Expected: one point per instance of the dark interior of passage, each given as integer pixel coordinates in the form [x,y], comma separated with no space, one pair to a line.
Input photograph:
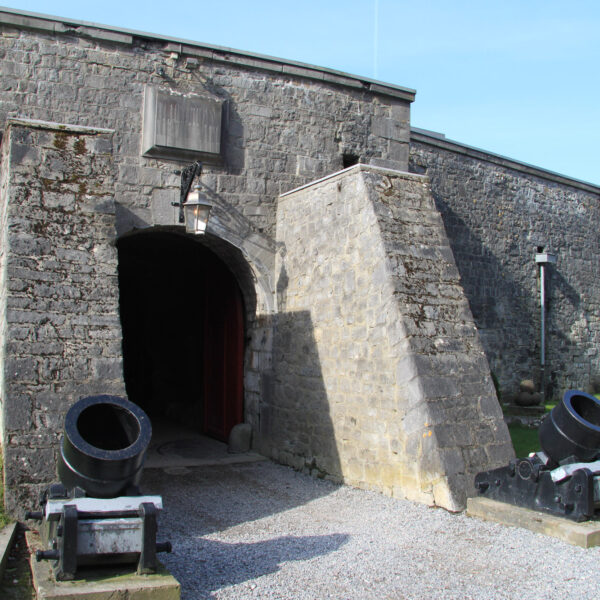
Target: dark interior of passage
[183,332]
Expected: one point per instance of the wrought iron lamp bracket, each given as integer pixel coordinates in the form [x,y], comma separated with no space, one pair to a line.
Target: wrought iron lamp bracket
[187,178]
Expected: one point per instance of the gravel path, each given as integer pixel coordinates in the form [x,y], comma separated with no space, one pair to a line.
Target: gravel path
[260,530]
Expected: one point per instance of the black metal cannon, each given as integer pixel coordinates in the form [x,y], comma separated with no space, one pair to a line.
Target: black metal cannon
[563,478]
[96,515]
[104,446]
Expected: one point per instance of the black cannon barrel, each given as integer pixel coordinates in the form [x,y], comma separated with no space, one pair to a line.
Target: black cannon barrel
[104,445]
[572,428]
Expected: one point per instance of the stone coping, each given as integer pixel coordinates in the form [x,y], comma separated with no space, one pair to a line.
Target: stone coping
[7,536]
[37,124]
[586,534]
[439,140]
[60,25]
[358,167]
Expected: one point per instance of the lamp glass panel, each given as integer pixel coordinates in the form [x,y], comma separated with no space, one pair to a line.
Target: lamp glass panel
[196,217]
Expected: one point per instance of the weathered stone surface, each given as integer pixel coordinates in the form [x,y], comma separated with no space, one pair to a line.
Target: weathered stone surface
[497,213]
[57,331]
[375,379]
[279,129]
[403,373]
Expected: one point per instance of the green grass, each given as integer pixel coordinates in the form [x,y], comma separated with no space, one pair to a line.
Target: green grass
[4,518]
[524,439]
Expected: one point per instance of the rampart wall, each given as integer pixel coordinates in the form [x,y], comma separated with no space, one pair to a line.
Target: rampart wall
[497,213]
[59,296]
[76,175]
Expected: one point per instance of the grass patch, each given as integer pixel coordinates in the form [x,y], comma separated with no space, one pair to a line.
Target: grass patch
[17,583]
[524,439]
[4,518]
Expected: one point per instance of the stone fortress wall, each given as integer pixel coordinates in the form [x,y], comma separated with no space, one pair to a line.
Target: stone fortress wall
[497,212]
[59,299]
[281,126]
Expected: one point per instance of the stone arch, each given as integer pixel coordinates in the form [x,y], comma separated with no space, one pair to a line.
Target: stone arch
[256,250]
[244,258]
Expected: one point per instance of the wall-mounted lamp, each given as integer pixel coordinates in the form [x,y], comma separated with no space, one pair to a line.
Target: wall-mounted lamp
[196,211]
[194,206]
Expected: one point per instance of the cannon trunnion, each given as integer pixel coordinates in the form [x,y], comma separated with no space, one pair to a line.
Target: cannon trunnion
[563,478]
[96,515]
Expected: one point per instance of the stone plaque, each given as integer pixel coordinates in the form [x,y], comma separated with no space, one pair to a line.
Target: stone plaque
[178,126]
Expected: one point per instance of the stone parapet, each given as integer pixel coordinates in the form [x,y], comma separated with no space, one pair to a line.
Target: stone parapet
[84,29]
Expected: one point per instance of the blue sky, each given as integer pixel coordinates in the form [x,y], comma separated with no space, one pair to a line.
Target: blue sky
[515,77]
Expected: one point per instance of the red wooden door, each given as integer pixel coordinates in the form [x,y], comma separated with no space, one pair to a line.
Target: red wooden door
[223,350]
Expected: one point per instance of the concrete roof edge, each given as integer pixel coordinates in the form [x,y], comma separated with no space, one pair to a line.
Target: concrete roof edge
[438,139]
[44,22]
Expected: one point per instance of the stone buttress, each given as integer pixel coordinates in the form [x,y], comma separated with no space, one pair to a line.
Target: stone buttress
[379,377]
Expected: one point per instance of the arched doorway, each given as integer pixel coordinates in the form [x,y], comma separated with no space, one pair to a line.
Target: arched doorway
[183,332]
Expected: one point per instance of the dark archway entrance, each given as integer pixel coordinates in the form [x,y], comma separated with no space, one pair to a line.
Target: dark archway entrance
[183,332]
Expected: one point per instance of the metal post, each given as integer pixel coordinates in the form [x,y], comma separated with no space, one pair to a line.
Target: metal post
[543,332]
[147,562]
[543,259]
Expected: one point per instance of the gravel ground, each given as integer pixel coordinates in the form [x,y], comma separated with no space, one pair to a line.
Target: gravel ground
[261,530]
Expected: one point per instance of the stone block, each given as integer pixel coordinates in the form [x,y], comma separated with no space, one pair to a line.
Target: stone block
[107,584]
[25,155]
[59,200]
[391,129]
[107,368]
[17,414]
[585,535]
[240,439]
[34,465]
[21,369]
[184,127]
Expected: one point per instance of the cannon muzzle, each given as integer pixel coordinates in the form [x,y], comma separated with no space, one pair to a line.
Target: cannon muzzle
[572,429]
[104,446]
[564,478]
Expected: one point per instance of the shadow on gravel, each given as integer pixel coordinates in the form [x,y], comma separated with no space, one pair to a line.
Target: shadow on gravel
[222,564]
[241,505]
